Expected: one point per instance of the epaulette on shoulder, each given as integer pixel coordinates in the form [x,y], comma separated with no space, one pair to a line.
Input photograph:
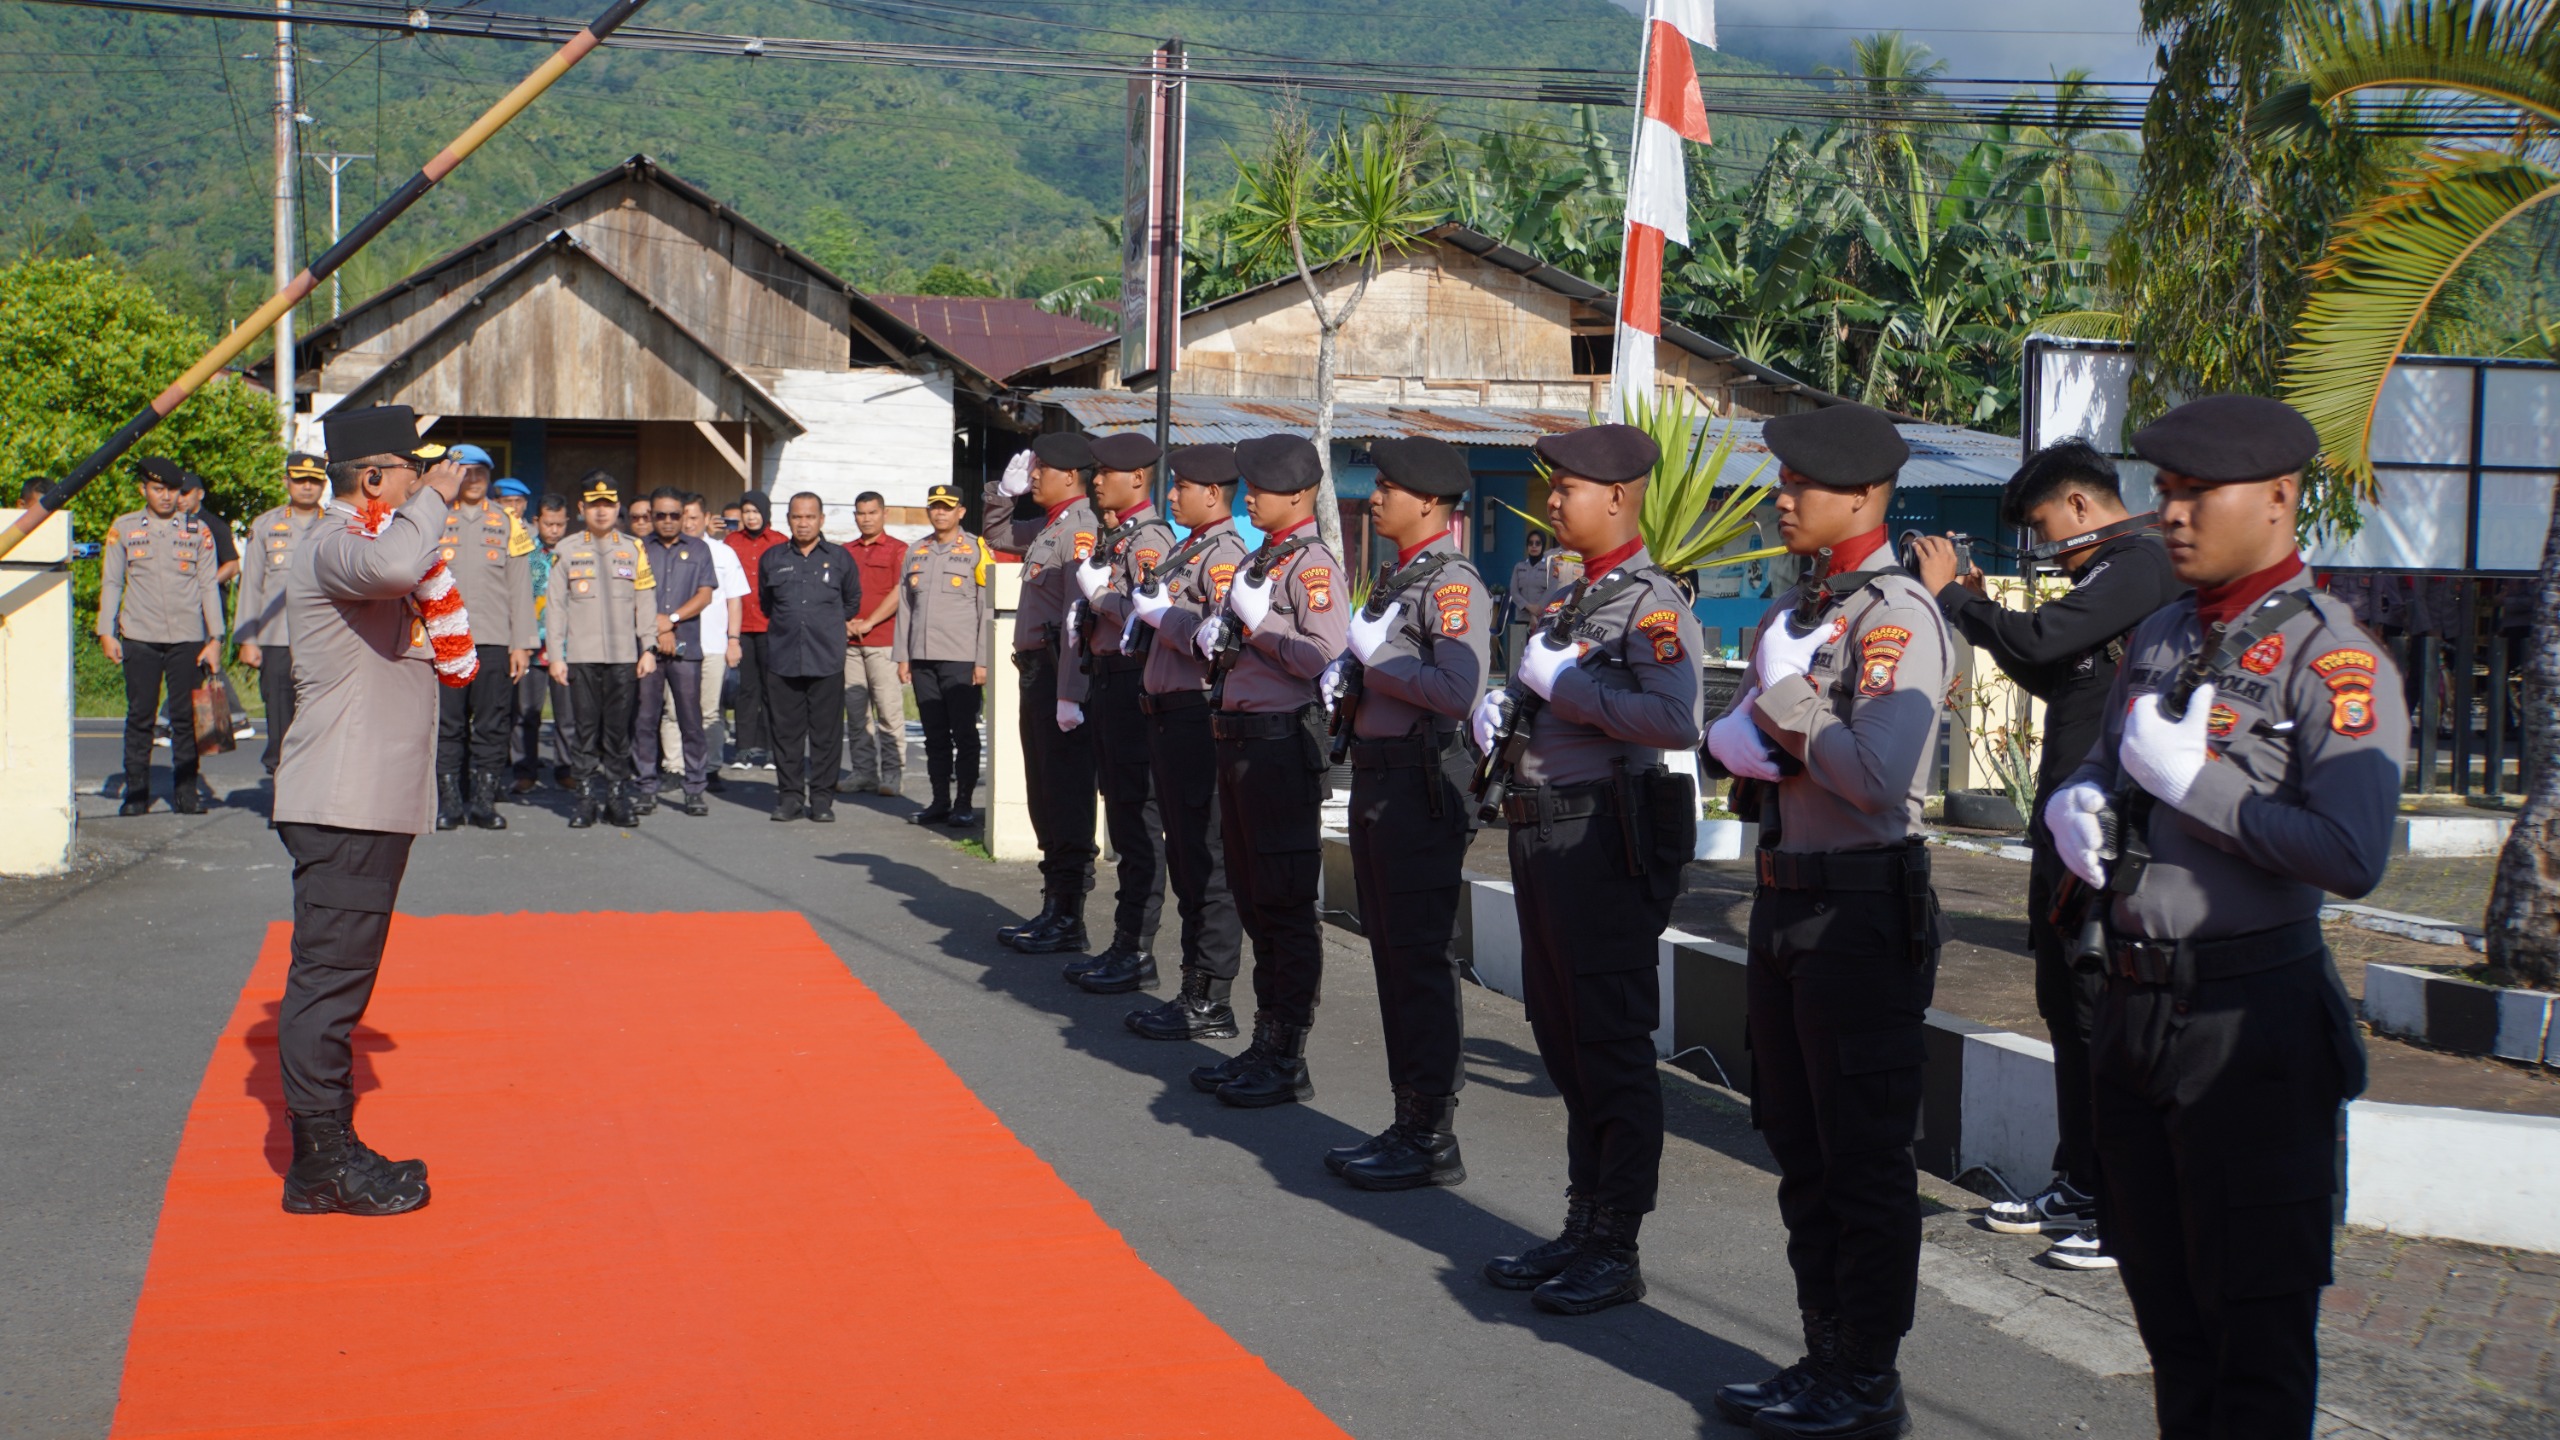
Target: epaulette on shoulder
[2338,615]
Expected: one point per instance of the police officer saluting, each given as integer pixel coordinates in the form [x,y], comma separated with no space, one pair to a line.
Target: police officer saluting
[603,624]
[1419,652]
[160,617]
[1846,686]
[1282,625]
[941,648]
[1055,532]
[2250,760]
[258,620]
[1599,832]
[491,557]
[1190,585]
[1136,543]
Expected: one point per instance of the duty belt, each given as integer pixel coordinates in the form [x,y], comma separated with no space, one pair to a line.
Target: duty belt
[1874,871]
[1032,659]
[1151,703]
[1118,664]
[1543,805]
[1393,752]
[1253,725]
[2155,962]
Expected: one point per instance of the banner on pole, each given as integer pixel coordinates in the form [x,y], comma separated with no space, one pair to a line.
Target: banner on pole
[1151,218]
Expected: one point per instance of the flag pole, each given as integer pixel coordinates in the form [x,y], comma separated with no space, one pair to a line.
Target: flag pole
[1626,252]
[264,318]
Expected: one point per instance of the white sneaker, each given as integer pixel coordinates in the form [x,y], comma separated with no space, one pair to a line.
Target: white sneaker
[2060,1208]
[2078,1251]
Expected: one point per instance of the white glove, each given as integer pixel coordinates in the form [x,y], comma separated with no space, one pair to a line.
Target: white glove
[1150,606]
[1739,744]
[1017,476]
[2162,755]
[1206,639]
[1488,717]
[1251,602]
[1783,653]
[1073,627]
[2072,817]
[1093,578]
[1541,663]
[1070,714]
[1368,636]
[1329,682]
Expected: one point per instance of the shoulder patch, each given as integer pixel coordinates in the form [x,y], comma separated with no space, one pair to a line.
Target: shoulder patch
[2263,657]
[1318,580]
[1146,559]
[2349,672]
[1662,628]
[1879,656]
[1084,544]
[1220,577]
[1451,601]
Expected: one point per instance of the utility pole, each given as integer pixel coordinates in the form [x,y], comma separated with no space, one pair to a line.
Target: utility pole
[287,192]
[335,161]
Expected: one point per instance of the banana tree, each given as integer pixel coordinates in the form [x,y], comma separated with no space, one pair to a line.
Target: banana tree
[2387,266]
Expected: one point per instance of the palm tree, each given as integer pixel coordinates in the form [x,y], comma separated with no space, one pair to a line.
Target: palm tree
[2388,264]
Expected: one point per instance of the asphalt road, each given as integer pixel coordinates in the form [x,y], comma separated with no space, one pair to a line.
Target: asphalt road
[115,980]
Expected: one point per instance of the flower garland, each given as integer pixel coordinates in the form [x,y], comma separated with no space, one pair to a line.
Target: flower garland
[438,601]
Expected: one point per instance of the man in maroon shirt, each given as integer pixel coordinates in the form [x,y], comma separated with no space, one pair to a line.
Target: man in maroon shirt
[751,539]
[875,711]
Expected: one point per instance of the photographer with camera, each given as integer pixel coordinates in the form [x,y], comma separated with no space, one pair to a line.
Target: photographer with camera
[2063,652]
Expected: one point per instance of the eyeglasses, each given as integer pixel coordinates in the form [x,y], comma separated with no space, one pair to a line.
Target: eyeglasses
[668,514]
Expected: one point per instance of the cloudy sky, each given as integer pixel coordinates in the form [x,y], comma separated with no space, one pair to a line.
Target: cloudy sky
[1978,38]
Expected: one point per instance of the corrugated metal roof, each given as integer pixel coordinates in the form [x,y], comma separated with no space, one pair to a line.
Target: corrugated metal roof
[998,335]
[1942,456]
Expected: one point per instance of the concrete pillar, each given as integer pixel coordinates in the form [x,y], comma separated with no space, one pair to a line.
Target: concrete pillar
[1009,834]
[35,701]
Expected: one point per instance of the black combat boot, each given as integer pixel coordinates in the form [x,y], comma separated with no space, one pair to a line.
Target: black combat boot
[1209,1079]
[1128,965]
[1007,934]
[1277,1077]
[449,803]
[643,793]
[397,1169]
[1738,1403]
[618,806]
[1858,1396]
[1199,1012]
[590,803]
[1421,1148]
[1540,1263]
[788,806]
[1604,1273]
[933,814]
[1341,1155]
[1079,966]
[484,802]
[1063,932]
[333,1173]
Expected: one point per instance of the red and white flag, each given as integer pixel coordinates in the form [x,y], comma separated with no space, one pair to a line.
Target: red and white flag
[1671,111]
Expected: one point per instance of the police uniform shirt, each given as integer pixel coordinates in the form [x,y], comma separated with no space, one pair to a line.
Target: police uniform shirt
[156,584]
[1062,538]
[1863,718]
[2304,743]
[943,604]
[1198,590]
[1310,616]
[807,600]
[1637,694]
[258,614]
[1529,588]
[490,556]
[1134,547]
[683,570]
[601,610]
[1434,660]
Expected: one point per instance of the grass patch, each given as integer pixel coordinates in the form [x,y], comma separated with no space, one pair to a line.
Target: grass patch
[977,849]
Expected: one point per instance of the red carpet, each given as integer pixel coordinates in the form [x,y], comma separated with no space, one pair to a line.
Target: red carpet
[691,1179]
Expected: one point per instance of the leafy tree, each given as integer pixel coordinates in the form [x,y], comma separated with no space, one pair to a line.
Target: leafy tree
[947,278]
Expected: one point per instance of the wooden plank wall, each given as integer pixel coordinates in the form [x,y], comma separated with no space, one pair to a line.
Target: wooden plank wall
[883,430]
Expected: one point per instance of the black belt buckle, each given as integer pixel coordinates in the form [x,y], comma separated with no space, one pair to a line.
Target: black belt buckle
[2143,962]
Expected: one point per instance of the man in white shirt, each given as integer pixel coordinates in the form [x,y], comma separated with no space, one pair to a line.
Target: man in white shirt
[719,639]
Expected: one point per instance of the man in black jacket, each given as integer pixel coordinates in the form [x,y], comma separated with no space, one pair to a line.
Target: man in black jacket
[2064,652]
[812,596]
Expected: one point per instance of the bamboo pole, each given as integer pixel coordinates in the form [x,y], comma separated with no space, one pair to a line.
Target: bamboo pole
[279,304]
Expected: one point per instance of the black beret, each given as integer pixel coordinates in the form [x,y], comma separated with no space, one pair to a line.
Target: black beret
[1610,454]
[1281,464]
[1127,450]
[190,483]
[1064,450]
[1206,464]
[2223,438]
[378,430]
[162,469]
[1842,445]
[1424,465]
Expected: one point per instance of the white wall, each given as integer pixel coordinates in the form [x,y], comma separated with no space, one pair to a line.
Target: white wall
[884,430]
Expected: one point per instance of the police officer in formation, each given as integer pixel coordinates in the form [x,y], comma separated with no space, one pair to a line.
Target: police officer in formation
[2251,759]
[1106,680]
[160,617]
[1042,511]
[1186,588]
[490,556]
[1599,832]
[945,629]
[258,622]
[1419,652]
[1837,729]
[602,620]
[1283,622]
